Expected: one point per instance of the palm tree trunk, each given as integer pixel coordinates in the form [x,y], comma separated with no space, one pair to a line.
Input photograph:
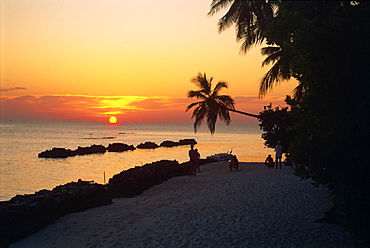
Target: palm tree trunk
[244,113]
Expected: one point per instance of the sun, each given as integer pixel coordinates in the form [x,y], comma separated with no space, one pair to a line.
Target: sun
[113,120]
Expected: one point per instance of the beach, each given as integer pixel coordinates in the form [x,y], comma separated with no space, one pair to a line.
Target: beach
[252,207]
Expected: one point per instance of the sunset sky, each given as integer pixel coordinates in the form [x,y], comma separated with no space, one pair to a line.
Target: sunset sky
[87,60]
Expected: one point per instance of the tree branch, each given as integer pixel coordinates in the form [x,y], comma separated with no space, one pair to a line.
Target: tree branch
[244,113]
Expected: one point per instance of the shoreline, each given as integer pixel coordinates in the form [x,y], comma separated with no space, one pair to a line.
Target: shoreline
[252,207]
[25,173]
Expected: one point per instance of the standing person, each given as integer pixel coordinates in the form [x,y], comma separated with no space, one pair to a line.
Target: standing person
[278,153]
[198,160]
[193,155]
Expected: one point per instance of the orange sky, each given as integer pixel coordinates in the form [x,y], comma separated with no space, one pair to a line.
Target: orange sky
[86,60]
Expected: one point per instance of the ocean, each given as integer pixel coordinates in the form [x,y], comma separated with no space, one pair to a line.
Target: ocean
[22,172]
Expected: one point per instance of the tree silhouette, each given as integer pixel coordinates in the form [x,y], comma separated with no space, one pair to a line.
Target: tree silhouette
[212,104]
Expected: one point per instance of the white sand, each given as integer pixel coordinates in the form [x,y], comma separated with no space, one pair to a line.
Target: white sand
[252,207]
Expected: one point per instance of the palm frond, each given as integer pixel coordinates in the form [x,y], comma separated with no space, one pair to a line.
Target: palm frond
[218,87]
[274,54]
[250,19]
[197,94]
[230,17]
[250,40]
[226,101]
[217,5]
[281,69]
[202,82]
[299,91]
[199,113]
[192,105]
[278,72]
[211,120]
[224,115]
[268,80]
[270,50]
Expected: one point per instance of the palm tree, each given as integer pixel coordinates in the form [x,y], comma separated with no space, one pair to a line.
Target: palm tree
[251,19]
[281,69]
[212,104]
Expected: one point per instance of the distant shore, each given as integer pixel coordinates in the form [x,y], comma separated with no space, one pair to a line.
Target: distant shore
[252,207]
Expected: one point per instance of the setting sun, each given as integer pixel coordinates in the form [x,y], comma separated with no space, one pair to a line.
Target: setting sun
[113,120]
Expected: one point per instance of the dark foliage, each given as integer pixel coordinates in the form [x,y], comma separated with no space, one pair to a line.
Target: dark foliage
[325,46]
[275,123]
[331,140]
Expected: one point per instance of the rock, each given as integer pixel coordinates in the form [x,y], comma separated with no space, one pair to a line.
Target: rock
[134,181]
[119,147]
[57,153]
[64,153]
[115,147]
[169,143]
[94,149]
[187,142]
[27,214]
[147,145]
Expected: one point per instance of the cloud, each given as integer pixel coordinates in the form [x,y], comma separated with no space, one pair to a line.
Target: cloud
[91,108]
[130,109]
[13,89]
[163,103]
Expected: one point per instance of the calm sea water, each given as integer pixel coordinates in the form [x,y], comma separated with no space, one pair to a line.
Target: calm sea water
[22,172]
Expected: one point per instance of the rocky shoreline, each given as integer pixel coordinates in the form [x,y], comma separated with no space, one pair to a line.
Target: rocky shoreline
[114,147]
[26,214]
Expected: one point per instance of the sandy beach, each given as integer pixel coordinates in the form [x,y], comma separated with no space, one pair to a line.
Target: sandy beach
[252,207]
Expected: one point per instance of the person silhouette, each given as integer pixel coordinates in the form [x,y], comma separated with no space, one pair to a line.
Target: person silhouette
[269,162]
[234,163]
[194,157]
[278,154]
[198,161]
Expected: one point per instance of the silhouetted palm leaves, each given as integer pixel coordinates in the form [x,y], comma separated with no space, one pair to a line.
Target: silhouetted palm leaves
[251,19]
[212,105]
[278,72]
